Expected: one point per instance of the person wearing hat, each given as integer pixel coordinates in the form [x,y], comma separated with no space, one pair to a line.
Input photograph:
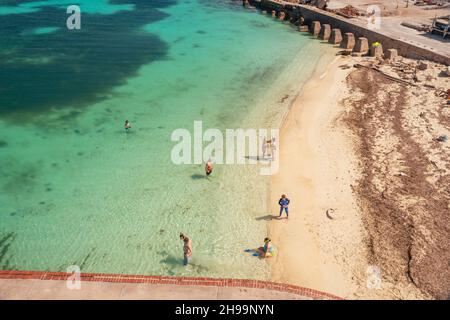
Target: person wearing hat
[267,250]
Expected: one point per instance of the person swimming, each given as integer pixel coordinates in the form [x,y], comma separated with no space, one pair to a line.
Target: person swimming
[127,125]
[209,167]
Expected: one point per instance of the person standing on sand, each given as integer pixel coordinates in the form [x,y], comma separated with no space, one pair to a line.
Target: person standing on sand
[284,203]
[187,249]
[127,125]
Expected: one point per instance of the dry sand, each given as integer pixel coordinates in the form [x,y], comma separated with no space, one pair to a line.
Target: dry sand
[330,161]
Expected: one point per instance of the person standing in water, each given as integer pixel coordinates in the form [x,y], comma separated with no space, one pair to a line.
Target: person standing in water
[268,147]
[209,167]
[274,148]
[284,203]
[187,249]
[127,125]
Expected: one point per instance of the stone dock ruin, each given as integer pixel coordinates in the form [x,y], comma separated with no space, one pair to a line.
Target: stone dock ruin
[353,38]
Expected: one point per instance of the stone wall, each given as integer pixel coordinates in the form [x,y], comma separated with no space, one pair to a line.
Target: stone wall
[313,14]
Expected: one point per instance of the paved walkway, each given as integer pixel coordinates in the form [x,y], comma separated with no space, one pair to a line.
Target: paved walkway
[36,285]
[57,289]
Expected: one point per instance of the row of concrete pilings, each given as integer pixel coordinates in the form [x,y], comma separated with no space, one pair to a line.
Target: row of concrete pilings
[347,41]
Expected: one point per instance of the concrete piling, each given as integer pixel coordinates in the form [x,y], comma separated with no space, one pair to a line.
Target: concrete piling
[303,28]
[376,51]
[335,37]
[361,46]
[325,32]
[315,28]
[391,54]
[348,43]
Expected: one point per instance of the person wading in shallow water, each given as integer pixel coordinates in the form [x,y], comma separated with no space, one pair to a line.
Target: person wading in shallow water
[187,249]
[284,203]
[268,148]
[209,167]
[127,125]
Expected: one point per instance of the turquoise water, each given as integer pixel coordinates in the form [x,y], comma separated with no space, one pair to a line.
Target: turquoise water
[76,189]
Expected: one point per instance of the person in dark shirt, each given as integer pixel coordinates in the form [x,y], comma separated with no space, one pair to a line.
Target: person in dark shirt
[127,125]
[284,203]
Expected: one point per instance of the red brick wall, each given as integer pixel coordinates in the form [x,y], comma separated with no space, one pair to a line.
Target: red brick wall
[187,281]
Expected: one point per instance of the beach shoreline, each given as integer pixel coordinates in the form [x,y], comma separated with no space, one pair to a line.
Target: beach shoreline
[334,240]
[306,166]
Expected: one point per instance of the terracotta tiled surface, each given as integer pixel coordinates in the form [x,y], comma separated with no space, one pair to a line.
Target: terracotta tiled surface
[165,280]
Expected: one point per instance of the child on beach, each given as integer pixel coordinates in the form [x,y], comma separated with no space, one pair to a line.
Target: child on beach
[267,250]
[284,203]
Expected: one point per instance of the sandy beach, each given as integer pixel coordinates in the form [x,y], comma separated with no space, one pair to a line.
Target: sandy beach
[341,229]
[313,158]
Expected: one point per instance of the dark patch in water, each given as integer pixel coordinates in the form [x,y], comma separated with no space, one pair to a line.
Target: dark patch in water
[80,153]
[20,180]
[195,45]
[3,143]
[201,32]
[259,24]
[179,39]
[69,116]
[5,242]
[73,67]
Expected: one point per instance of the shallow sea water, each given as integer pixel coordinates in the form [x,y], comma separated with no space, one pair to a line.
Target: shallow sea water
[75,189]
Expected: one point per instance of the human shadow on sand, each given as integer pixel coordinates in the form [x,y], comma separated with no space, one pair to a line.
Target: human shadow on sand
[268,217]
